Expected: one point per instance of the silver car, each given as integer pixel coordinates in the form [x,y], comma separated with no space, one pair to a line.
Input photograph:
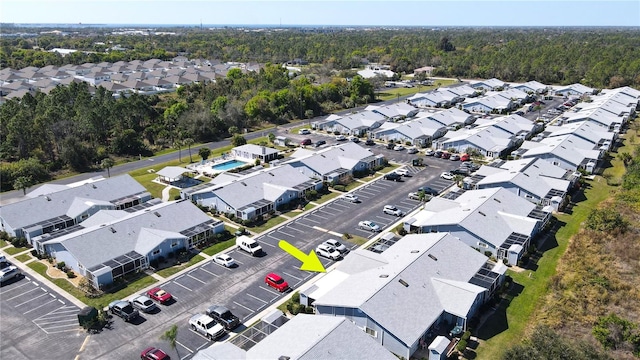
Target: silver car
[143,303]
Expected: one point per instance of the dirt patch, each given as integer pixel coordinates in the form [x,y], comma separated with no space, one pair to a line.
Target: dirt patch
[56,273]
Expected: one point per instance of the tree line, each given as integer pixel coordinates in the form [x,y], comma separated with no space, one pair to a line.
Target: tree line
[71,128]
[597,57]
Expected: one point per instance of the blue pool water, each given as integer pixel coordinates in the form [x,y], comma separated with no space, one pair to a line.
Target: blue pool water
[232,164]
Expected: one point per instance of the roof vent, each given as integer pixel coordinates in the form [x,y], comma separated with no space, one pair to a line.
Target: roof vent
[47,198]
[496,200]
[271,174]
[157,214]
[242,182]
[112,230]
[433,257]
[94,186]
[481,213]
[384,276]
[415,251]
[404,283]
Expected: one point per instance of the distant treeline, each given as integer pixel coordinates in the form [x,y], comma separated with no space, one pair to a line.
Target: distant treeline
[597,57]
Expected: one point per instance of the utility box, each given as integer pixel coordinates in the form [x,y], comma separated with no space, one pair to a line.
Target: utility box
[88,316]
[417,162]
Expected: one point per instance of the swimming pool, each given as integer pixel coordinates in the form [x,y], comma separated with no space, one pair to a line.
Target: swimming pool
[228,165]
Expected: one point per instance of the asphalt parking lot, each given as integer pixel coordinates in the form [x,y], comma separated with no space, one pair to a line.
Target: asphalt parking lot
[37,322]
[241,289]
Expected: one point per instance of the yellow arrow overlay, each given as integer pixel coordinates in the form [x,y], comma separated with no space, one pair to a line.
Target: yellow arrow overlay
[309,262]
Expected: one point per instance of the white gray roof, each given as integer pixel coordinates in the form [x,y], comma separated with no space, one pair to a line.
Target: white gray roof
[48,206]
[434,267]
[330,159]
[319,337]
[172,172]
[140,231]
[569,148]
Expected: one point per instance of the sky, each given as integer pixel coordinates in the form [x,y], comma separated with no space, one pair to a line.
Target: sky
[429,13]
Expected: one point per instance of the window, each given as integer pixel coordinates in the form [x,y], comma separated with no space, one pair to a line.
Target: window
[155,252]
[174,244]
[483,245]
[371,332]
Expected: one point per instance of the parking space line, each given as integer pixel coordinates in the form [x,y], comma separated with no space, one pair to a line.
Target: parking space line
[77,328]
[307,218]
[37,307]
[252,311]
[55,312]
[186,348]
[266,243]
[33,298]
[243,253]
[209,272]
[74,319]
[17,287]
[273,292]
[292,228]
[257,298]
[195,278]
[282,232]
[308,272]
[177,283]
[24,293]
[295,277]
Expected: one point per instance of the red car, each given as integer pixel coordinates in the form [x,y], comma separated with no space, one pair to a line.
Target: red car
[465,157]
[275,281]
[159,295]
[305,142]
[152,353]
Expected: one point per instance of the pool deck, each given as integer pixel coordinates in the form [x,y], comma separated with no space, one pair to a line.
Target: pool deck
[206,168]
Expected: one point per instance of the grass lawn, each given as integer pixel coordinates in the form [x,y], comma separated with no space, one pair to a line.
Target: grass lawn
[267,225]
[393,93]
[173,193]
[133,287]
[389,168]
[327,197]
[354,184]
[309,206]
[221,246]
[357,240]
[503,330]
[175,269]
[14,250]
[3,243]
[24,257]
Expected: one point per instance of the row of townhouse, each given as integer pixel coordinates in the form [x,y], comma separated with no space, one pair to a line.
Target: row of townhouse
[106,228]
[260,192]
[145,77]
[610,109]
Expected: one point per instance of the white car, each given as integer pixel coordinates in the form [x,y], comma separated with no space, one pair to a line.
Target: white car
[9,273]
[224,260]
[304,132]
[447,176]
[398,148]
[392,210]
[369,225]
[429,152]
[403,172]
[143,303]
[328,252]
[351,198]
[336,245]
[355,139]
[412,151]
[341,138]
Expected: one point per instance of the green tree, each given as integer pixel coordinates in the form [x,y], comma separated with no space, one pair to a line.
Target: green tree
[107,163]
[272,137]
[606,220]
[204,153]
[171,336]
[23,183]
[188,142]
[177,144]
[238,140]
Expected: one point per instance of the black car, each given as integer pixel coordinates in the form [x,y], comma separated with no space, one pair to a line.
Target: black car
[393,176]
[369,142]
[390,146]
[427,190]
[320,143]
[223,316]
[460,171]
[438,153]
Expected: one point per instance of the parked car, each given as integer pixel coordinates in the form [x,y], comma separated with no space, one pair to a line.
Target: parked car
[351,198]
[429,152]
[159,295]
[470,165]
[143,303]
[369,142]
[398,148]
[392,210]
[319,143]
[224,260]
[305,142]
[223,316]
[328,252]
[460,171]
[465,157]
[393,176]
[412,151]
[336,245]
[240,232]
[8,273]
[277,282]
[427,190]
[207,326]
[446,155]
[304,132]
[454,157]
[369,225]
[447,175]
[402,172]
[341,138]
[438,153]
[355,139]
[390,146]
[152,353]
[416,196]
[124,310]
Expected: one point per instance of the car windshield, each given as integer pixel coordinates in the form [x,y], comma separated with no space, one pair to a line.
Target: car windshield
[278,281]
[147,302]
[210,324]
[252,245]
[336,243]
[127,309]
[160,292]
[372,224]
[226,315]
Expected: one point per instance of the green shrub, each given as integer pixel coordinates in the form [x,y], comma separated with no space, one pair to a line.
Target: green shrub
[295,297]
[462,346]
[466,335]
[71,274]
[61,265]
[309,310]
[339,187]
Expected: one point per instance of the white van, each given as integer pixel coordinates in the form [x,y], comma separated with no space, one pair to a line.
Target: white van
[249,245]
